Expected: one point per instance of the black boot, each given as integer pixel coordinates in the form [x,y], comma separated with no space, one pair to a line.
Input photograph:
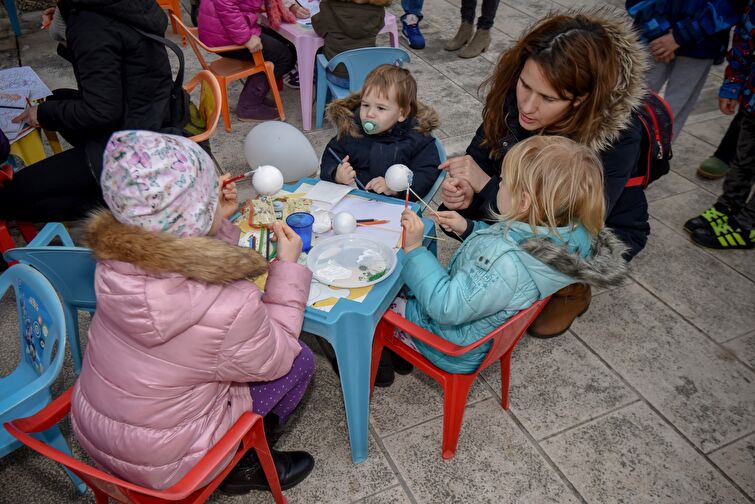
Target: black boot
[252,106]
[292,467]
[401,365]
[385,374]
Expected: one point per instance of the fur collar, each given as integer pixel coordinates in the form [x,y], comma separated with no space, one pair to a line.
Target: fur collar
[203,258]
[604,267]
[630,89]
[376,3]
[344,114]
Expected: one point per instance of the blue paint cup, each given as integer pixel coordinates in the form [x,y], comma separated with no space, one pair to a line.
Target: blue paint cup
[301,223]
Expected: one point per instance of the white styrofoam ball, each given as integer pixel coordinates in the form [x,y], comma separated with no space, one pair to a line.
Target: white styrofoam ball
[267,180]
[398,177]
[344,223]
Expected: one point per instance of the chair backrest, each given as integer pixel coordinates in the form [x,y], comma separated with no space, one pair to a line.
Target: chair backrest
[42,333]
[507,335]
[210,99]
[360,62]
[441,176]
[192,35]
[69,269]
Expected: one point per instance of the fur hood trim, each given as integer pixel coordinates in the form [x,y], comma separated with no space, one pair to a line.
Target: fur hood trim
[376,3]
[344,114]
[204,259]
[605,267]
[633,63]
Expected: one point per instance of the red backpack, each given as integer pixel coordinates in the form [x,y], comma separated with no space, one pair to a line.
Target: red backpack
[657,121]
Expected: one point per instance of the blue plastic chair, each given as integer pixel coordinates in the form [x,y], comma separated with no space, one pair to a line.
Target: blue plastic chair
[358,63]
[27,389]
[436,186]
[70,269]
[10,6]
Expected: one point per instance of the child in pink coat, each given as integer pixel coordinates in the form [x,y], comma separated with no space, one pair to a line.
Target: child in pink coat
[181,336]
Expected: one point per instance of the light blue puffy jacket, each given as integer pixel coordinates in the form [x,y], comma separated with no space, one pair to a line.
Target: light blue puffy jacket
[494,274]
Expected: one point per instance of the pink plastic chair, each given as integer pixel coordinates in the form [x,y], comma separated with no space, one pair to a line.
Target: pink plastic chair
[307,42]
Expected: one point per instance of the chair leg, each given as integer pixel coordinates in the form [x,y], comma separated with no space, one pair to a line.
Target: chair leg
[274,90]
[455,394]
[266,460]
[100,496]
[6,242]
[54,438]
[224,106]
[505,378]
[72,326]
[321,97]
[10,6]
[28,231]
[378,343]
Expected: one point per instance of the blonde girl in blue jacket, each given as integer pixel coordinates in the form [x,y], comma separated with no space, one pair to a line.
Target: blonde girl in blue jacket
[549,235]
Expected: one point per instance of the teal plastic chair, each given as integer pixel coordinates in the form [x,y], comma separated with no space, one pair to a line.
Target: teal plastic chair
[70,269]
[436,186]
[10,6]
[358,63]
[42,336]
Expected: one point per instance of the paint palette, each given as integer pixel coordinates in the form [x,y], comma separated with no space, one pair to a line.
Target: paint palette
[349,261]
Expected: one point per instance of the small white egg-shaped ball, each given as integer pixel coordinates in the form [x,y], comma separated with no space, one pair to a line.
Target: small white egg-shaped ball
[344,223]
[267,180]
[398,177]
[323,222]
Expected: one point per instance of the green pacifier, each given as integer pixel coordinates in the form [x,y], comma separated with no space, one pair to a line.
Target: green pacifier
[369,127]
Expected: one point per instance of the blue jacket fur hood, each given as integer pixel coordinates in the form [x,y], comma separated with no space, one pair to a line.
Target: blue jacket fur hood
[409,142]
[497,272]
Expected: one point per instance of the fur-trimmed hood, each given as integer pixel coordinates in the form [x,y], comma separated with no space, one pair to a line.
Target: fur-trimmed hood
[344,114]
[204,259]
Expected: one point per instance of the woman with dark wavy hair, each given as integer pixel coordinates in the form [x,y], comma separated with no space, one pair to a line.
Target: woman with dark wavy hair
[576,74]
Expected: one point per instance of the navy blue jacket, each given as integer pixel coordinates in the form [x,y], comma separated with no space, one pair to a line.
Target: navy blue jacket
[700,27]
[409,143]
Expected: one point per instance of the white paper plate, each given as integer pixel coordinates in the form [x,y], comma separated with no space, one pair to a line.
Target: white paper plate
[350,261]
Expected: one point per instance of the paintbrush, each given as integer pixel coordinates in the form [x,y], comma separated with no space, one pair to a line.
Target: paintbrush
[356,179]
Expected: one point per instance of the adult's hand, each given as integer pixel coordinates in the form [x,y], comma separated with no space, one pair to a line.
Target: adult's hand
[663,48]
[28,116]
[345,173]
[229,199]
[465,167]
[289,243]
[47,16]
[451,221]
[414,230]
[254,44]
[456,193]
[727,105]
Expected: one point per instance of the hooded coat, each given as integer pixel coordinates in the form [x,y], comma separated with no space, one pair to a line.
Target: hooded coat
[229,22]
[124,79]
[509,259]
[179,331]
[348,24]
[616,137]
[410,143]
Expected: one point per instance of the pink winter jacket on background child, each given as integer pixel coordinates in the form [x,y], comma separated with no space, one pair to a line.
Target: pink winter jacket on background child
[179,331]
[228,22]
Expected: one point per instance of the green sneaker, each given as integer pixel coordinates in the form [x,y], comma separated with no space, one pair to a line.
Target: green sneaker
[712,168]
[716,213]
[725,236]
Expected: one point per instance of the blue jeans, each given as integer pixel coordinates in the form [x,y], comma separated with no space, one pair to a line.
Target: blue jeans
[412,7]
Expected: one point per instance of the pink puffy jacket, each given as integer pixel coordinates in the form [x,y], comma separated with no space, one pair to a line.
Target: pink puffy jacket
[178,333]
[228,22]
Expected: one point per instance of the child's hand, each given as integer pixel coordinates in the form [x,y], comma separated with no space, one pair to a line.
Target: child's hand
[379,186]
[28,116]
[289,243]
[229,198]
[664,48]
[414,230]
[254,44]
[47,16]
[727,105]
[451,221]
[345,174]
[456,193]
[299,11]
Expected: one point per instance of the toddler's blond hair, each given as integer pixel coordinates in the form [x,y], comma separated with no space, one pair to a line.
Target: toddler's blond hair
[564,180]
[386,77]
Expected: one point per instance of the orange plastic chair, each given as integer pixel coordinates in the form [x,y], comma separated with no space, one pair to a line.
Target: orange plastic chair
[173,7]
[227,70]
[210,97]
[247,430]
[455,386]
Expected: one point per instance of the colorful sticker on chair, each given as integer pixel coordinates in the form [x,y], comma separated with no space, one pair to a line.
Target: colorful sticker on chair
[36,323]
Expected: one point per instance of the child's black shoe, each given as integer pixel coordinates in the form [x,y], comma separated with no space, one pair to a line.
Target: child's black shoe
[705,220]
[401,365]
[292,467]
[385,374]
[724,236]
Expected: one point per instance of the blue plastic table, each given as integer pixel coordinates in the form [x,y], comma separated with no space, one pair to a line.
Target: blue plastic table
[350,327]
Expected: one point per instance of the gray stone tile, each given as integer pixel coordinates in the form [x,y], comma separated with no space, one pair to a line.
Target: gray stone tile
[395,495]
[495,462]
[708,395]
[738,462]
[533,8]
[676,210]
[633,456]
[689,152]
[709,294]
[744,348]
[457,145]
[668,185]
[711,131]
[411,400]
[557,383]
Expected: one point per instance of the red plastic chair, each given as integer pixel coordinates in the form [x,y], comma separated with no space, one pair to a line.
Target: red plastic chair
[455,386]
[248,431]
[28,231]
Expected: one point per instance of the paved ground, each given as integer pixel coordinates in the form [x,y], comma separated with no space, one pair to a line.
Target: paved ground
[649,398]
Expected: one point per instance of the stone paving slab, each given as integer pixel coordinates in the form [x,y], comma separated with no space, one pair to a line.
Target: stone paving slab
[738,461]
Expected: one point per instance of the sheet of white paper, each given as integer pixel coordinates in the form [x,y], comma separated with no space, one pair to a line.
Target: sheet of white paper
[328,193]
[24,78]
[361,208]
[314,8]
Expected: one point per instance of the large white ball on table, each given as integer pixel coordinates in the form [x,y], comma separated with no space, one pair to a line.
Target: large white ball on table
[267,180]
[344,223]
[398,177]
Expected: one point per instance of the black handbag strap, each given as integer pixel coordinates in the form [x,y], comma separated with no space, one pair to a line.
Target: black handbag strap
[178,83]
